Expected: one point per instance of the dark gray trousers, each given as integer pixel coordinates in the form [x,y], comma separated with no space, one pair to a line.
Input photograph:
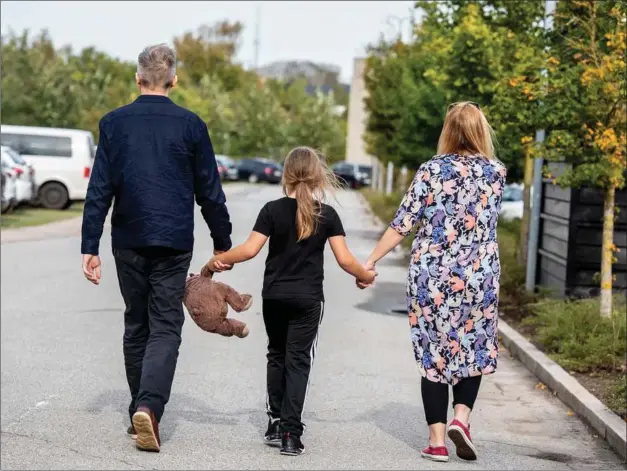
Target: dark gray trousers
[152,282]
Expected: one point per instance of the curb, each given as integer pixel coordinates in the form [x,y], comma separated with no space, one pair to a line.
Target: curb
[53,230]
[591,410]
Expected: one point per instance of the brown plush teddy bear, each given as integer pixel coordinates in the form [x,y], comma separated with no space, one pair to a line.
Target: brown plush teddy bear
[208,302]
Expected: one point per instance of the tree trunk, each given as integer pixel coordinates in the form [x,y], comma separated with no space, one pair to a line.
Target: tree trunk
[524,223]
[607,252]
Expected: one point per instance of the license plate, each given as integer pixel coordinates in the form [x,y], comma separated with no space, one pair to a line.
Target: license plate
[277,173]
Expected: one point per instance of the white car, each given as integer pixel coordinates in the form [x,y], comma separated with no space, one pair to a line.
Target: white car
[25,186]
[62,159]
[512,202]
[9,195]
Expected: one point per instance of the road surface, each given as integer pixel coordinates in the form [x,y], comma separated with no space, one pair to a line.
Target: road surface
[64,393]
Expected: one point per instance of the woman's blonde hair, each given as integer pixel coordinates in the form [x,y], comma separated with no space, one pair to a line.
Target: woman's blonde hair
[466,131]
[307,176]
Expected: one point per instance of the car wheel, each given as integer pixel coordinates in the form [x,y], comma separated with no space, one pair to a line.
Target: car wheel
[253,178]
[54,196]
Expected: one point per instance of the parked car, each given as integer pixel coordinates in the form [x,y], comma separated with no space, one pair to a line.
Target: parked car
[512,201]
[25,186]
[353,175]
[62,159]
[4,203]
[9,195]
[227,168]
[259,170]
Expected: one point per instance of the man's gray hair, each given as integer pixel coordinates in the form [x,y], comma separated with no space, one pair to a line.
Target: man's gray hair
[156,66]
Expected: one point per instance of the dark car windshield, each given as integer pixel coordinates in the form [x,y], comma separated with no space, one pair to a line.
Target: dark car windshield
[366,169]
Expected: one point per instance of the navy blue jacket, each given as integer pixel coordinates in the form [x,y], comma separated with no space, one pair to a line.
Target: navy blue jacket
[153,158]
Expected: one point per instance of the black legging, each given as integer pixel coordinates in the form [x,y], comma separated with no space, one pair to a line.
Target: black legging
[435,397]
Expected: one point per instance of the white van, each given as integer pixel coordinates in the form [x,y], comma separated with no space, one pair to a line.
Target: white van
[62,159]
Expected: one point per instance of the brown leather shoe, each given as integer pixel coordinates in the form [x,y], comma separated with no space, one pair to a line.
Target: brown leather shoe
[131,432]
[147,428]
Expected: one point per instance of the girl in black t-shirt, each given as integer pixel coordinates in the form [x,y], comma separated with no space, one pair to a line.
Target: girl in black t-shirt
[298,227]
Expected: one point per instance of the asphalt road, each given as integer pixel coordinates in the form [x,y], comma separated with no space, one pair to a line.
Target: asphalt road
[64,393]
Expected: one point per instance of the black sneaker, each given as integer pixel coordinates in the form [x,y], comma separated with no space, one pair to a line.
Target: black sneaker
[273,434]
[291,445]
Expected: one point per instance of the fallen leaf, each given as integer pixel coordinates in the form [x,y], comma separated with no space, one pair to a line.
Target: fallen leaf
[540,386]
[570,413]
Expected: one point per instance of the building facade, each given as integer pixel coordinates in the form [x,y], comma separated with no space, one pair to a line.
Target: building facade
[356,124]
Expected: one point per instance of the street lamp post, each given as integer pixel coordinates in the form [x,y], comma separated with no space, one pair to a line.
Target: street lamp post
[397,23]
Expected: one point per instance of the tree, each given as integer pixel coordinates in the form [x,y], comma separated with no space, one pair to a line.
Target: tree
[312,121]
[588,104]
[246,116]
[211,51]
[405,109]
[37,89]
[462,51]
[100,84]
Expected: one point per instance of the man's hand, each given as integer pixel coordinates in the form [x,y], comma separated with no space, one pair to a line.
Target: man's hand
[362,284]
[91,268]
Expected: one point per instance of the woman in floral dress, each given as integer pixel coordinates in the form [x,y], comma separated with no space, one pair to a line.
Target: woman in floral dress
[453,280]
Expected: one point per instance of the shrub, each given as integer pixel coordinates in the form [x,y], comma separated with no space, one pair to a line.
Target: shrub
[576,335]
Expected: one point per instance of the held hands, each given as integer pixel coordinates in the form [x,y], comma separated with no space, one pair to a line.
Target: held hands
[214,265]
[365,283]
[91,268]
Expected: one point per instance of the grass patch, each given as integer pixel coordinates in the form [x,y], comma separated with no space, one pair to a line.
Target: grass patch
[382,205]
[26,216]
[573,333]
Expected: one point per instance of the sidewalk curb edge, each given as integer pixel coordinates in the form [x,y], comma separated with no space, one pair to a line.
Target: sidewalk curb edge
[590,409]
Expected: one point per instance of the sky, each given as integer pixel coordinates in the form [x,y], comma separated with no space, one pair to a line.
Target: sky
[334,32]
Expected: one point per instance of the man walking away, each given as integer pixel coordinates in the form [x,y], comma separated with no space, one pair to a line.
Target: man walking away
[153,157]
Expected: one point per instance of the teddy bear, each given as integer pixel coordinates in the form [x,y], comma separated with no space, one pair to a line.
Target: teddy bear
[208,301]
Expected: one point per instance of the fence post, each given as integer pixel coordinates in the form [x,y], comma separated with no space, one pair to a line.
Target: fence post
[389,179]
[375,175]
[403,180]
[380,177]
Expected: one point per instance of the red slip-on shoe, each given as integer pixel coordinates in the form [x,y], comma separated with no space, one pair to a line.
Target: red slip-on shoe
[460,436]
[147,428]
[435,453]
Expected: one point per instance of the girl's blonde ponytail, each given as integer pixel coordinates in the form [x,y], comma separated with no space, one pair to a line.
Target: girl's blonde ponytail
[308,212]
[307,177]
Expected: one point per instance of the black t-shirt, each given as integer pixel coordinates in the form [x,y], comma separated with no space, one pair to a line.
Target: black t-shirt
[294,269]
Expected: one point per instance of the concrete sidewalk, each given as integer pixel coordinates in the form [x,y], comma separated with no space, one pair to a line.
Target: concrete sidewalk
[64,394]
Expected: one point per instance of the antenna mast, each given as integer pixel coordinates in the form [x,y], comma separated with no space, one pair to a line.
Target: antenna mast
[257,35]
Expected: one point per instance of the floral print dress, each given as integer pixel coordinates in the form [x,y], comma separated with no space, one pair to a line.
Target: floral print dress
[453,281]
